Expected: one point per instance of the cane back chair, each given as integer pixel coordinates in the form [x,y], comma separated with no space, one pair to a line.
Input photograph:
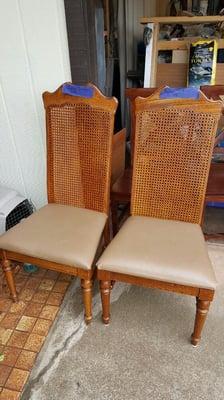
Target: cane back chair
[65,234]
[161,244]
[121,189]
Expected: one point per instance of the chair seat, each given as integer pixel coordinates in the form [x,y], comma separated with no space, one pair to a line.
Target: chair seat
[164,250]
[58,233]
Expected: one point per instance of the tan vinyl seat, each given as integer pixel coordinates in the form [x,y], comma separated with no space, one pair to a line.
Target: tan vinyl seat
[58,233]
[164,250]
[64,235]
[161,245]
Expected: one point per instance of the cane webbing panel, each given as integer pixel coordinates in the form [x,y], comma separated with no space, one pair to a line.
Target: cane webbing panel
[79,153]
[174,142]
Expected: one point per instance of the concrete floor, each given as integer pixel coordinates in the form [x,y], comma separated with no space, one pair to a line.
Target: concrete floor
[143,354]
[214,220]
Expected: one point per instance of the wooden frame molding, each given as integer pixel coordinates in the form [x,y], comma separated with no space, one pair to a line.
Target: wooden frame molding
[203,294]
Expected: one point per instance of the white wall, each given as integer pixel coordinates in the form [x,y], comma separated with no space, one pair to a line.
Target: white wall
[33,58]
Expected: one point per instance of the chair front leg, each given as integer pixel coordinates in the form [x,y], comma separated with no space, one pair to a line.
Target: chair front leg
[202,307]
[105,288]
[6,266]
[86,285]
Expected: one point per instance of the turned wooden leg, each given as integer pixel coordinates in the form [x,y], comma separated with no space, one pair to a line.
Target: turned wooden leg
[6,266]
[112,284]
[87,298]
[105,287]
[201,314]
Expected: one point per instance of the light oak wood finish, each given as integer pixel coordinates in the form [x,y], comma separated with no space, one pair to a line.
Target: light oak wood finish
[87,298]
[105,288]
[202,307]
[154,39]
[162,8]
[88,123]
[91,115]
[131,94]
[121,186]
[175,74]
[6,266]
[183,44]
[215,188]
[121,189]
[118,155]
[145,186]
[182,19]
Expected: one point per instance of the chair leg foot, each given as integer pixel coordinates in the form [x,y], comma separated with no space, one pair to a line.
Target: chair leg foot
[105,288]
[86,285]
[202,307]
[6,266]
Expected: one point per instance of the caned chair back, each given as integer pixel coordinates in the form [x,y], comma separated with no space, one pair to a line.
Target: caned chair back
[173,148]
[79,148]
[131,94]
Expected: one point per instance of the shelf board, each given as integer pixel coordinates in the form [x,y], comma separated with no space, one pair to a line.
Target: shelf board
[183,44]
[176,74]
[182,19]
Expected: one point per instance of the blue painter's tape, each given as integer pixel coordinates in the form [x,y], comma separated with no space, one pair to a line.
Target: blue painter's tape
[77,90]
[180,93]
[214,204]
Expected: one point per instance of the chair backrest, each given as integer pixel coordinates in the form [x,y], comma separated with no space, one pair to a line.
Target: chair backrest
[79,148]
[173,148]
[213,91]
[131,94]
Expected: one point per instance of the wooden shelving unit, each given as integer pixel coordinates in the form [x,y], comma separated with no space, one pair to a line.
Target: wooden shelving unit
[182,19]
[183,44]
[174,74]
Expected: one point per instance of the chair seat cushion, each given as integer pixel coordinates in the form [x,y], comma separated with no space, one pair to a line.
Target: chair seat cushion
[164,250]
[58,233]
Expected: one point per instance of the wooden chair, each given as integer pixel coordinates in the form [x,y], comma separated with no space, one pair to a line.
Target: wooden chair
[215,188]
[121,189]
[161,244]
[65,234]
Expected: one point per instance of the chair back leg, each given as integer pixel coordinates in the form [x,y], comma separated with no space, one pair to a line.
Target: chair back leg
[202,307]
[6,266]
[86,285]
[112,284]
[107,233]
[105,288]
[114,216]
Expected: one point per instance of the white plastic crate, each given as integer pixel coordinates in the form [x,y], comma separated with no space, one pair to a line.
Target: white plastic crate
[13,208]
